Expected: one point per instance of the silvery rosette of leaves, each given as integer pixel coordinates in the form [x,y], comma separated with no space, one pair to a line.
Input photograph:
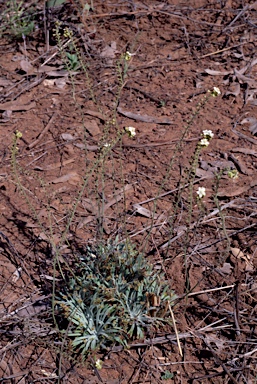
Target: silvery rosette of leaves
[107,298]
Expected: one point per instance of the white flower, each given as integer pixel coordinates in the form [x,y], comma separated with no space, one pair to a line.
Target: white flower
[215,92]
[98,364]
[18,134]
[201,192]
[204,142]
[208,134]
[107,145]
[127,56]
[131,131]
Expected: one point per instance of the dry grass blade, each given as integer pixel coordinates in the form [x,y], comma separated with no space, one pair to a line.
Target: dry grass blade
[176,331]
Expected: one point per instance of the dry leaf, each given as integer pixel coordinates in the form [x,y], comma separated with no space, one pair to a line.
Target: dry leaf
[16,275]
[92,127]
[85,221]
[72,178]
[90,205]
[16,106]
[48,82]
[27,67]
[67,137]
[95,114]
[59,164]
[4,369]
[212,338]
[253,102]
[31,309]
[109,51]
[213,166]
[246,151]
[119,195]
[60,82]
[231,192]
[144,212]
[46,68]
[244,79]
[199,84]
[249,266]
[237,77]
[234,90]
[43,236]
[49,374]
[6,115]
[202,173]
[226,268]
[239,164]
[144,118]
[253,6]
[254,288]
[236,252]
[217,73]
[87,147]
[18,58]
[253,124]
[4,82]
[50,167]
[61,73]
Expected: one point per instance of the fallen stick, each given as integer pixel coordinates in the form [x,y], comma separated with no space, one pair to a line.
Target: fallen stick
[32,145]
[144,118]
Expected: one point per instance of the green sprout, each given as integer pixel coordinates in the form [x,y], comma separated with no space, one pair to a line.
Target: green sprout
[73,61]
[16,20]
[167,375]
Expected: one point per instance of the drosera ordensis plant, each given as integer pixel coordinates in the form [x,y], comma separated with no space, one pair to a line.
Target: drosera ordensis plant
[113,297]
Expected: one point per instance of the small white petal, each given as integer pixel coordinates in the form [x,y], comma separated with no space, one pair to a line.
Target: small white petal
[98,364]
[204,142]
[216,90]
[201,192]
[208,134]
[131,131]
